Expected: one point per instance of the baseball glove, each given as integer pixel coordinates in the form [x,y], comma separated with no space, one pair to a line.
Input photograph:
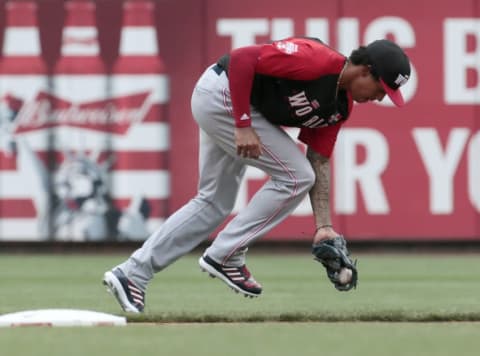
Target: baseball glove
[334,256]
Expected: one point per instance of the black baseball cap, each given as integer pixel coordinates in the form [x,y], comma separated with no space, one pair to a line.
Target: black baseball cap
[392,67]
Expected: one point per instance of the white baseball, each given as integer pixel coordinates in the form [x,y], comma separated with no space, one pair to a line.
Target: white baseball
[345,275]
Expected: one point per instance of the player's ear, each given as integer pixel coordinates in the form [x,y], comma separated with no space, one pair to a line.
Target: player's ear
[365,70]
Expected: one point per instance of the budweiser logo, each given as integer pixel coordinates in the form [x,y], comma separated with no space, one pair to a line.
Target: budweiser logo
[114,115]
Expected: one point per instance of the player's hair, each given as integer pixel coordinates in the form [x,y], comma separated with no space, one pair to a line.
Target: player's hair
[360,56]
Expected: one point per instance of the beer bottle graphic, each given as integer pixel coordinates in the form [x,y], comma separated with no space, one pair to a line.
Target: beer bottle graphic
[25,135]
[80,112]
[139,78]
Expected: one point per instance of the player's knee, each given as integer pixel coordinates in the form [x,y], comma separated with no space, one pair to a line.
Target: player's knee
[224,210]
[300,182]
[220,207]
[306,179]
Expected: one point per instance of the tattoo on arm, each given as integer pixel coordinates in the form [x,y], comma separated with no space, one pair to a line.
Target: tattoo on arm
[320,192]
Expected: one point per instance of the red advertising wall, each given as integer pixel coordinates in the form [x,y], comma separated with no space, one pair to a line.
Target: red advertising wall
[410,173]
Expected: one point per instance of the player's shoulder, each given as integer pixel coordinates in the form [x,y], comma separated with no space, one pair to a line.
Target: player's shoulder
[308,46]
[323,48]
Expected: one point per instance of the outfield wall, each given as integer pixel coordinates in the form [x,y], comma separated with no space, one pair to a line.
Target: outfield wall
[97,140]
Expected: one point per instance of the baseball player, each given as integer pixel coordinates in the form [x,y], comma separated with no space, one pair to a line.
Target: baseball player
[241,104]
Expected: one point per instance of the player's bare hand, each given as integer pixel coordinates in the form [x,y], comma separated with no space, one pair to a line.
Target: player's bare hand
[323,233]
[247,142]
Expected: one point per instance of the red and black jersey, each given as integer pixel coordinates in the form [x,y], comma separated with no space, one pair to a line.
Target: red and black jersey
[299,103]
[292,82]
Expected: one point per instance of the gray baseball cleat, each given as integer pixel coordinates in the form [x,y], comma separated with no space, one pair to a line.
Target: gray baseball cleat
[128,295]
[238,278]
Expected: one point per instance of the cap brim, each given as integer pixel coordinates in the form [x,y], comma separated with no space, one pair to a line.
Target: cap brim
[395,95]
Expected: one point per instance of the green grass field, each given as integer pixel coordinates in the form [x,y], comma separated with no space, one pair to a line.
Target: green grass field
[404,305]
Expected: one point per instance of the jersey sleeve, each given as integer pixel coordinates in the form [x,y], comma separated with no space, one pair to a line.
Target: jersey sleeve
[321,140]
[241,72]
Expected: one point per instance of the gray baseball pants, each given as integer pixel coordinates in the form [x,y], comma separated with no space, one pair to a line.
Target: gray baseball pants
[221,170]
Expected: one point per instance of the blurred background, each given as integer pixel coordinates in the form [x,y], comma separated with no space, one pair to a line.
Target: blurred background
[97,142]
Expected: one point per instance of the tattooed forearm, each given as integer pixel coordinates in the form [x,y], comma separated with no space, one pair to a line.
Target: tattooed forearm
[320,192]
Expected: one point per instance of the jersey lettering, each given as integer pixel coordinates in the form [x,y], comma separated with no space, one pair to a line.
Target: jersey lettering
[304,111]
[315,121]
[299,99]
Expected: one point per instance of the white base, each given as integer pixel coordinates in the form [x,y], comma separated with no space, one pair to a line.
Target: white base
[60,317]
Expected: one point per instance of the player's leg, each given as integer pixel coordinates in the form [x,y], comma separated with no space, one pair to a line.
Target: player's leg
[220,175]
[291,178]
[184,230]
